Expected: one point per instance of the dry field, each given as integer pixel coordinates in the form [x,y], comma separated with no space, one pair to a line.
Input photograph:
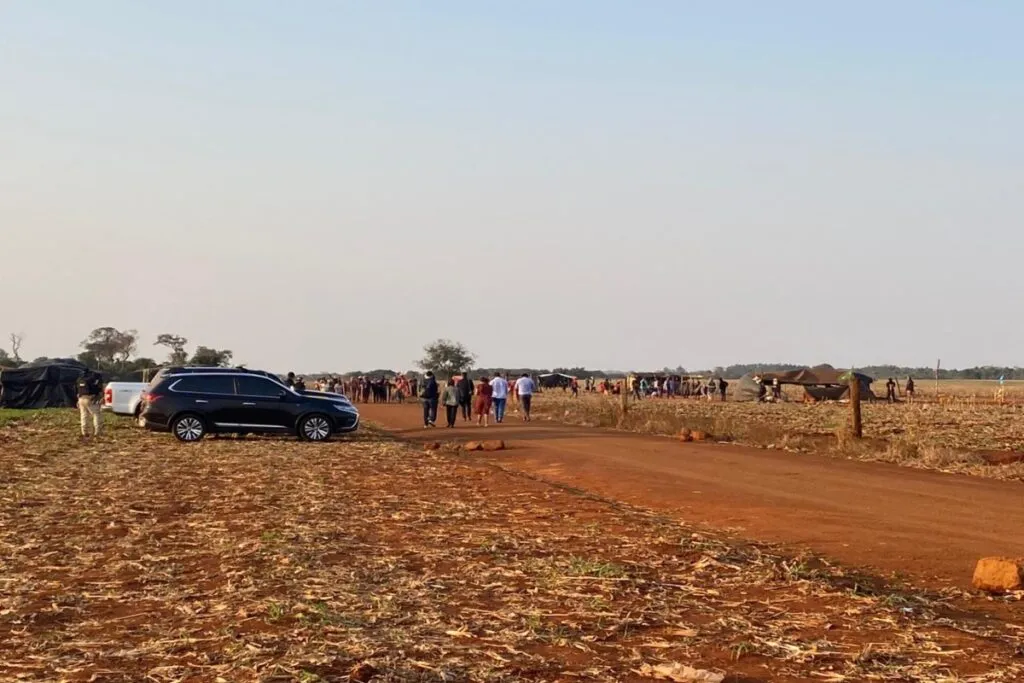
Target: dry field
[954,435]
[135,558]
[977,389]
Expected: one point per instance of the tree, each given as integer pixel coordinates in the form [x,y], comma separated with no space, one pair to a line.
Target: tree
[16,339]
[176,344]
[110,347]
[446,358]
[6,361]
[211,357]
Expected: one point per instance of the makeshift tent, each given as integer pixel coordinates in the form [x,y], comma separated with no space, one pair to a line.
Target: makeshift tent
[746,388]
[836,392]
[48,384]
[554,380]
[820,383]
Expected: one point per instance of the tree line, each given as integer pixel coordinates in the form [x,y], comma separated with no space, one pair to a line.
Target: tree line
[114,353]
[447,357]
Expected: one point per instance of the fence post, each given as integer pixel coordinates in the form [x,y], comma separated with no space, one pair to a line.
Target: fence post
[858,429]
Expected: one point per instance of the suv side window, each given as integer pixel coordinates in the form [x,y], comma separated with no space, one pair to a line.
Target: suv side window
[206,384]
[257,386]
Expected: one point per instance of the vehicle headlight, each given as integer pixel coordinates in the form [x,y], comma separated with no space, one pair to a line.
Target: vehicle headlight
[344,408]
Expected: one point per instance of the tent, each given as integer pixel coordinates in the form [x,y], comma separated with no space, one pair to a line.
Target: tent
[553,380]
[48,384]
[746,388]
[820,383]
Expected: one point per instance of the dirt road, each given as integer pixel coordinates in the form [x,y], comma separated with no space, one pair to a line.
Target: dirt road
[927,525]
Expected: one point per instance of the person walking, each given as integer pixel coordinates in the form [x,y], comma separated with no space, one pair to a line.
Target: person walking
[450,399]
[90,387]
[723,386]
[499,396]
[482,402]
[430,396]
[910,388]
[524,389]
[464,389]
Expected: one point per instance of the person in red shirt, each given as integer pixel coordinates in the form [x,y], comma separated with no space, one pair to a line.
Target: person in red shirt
[482,401]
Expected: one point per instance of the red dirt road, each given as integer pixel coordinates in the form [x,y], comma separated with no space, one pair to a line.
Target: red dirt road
[927,525]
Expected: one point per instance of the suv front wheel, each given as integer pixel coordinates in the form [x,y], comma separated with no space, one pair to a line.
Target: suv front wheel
[315,428]
[188,428]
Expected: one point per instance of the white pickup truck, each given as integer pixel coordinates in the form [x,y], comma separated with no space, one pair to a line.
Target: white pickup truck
[124,398]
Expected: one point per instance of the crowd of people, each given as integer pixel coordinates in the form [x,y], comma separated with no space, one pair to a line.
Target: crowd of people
[475,401]
[649,386]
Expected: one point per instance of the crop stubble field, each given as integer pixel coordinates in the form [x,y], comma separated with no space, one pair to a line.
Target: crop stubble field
[136,558]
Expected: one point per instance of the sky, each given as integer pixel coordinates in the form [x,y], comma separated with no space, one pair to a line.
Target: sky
[327,185]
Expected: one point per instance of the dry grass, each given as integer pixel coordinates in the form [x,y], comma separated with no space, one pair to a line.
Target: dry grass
[135,558]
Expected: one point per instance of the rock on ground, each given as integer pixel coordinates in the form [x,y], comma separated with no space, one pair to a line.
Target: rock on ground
[998,574]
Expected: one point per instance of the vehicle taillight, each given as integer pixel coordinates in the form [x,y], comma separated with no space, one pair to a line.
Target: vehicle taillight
[108,396]
[151,398]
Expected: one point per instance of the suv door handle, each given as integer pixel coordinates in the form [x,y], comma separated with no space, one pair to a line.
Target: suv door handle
[201,400]
[248,403]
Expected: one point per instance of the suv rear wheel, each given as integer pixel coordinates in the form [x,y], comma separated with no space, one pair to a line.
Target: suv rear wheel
[315,428]
[188,428]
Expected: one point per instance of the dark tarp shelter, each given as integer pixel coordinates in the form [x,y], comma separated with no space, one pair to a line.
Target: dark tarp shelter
[554,380]
[820,383]
[49,384]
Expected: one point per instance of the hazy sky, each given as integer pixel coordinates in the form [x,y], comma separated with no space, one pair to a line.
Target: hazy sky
[320,184]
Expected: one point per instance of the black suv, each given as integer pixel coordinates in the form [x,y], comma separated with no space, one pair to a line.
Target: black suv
[191,402]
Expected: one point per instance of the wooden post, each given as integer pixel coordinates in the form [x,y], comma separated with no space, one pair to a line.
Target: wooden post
[624,394]
[858,430]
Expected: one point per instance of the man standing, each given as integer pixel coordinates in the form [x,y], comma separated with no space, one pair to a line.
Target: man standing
[910,388]
[464,390]
[499,396]
[524,389]
[89,389]
[890,390]
[430,396]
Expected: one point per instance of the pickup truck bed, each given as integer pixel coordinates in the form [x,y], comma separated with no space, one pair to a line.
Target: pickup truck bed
[123,398]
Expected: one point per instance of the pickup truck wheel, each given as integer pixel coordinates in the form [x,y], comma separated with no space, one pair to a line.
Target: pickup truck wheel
[188,428]
[315,428]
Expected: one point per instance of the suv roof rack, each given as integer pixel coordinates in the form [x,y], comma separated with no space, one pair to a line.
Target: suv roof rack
[198,370]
